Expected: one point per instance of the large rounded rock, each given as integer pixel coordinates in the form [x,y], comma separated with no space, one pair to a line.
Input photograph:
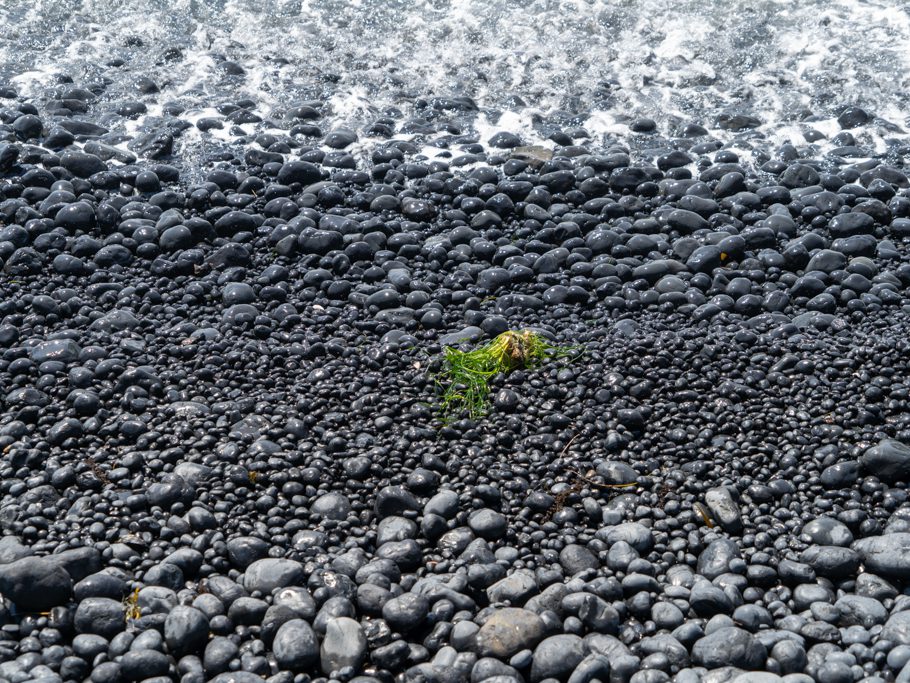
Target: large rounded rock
[724,509]
[831,561]
[859,610]
[729,646]
[82,165]
[394,500]
[508,631]
[716,558]
[889,460]
[268,574]
[576,558]
[344,645]
[888,555]
[295,646]
[302,172]
[101,616]
[557,657]
[897,628]
[331,506]
[245,550]
[35,583]
[406,612]
[76,216]
[186,630]
[137,665]
[828,531]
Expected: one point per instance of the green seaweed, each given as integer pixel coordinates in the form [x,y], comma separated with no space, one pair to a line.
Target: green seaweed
[465,378]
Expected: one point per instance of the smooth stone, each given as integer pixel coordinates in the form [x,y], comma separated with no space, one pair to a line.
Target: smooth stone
[576,558]
[295,646]
[889,460]
[35,583]
[858,610]
[508,631]
[828,531]
[557,656]
[724,509]
[729,646]
[344,645]
[101,616]
[515,588]
[715,559]
[888,555]
[268,574]
[186,630]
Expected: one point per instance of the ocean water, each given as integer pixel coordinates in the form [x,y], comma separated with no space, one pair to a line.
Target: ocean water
[525,66]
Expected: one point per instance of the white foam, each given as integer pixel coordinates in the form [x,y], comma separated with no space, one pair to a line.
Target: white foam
[607,62]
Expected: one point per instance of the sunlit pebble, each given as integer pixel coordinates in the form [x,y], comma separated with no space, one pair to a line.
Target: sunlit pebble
[221,393]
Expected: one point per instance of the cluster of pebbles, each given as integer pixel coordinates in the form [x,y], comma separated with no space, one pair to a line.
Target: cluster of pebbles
[222,458]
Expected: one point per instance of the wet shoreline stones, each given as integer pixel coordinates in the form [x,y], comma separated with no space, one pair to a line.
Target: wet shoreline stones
[221,456]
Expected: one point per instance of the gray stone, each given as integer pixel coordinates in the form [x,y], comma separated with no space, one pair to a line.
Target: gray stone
[897,628]
[298,599]
[666,644]
[295,647]
[840,475]
[344,645]
[245,550]
[831,561]
[873,586]
[515,588]
[636,535]
[729,646]
[593,667]
[488,524]
[857,610]
[237,677]
[218,655]
[186,630]
[406,612]
[11,549]
[392,529]
[137,665]
[889,460]
[331,506]
[557,656]
[508,631]
[444,504]
[35,583]
[707,599]
[616,472]
[724,509]
[888,555]
[63,350]
[394,500]
[268,574]
[576,558]
[101,616]
[715,559]
[827,531]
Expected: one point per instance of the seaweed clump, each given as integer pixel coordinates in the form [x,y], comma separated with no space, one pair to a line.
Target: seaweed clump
[466,375]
